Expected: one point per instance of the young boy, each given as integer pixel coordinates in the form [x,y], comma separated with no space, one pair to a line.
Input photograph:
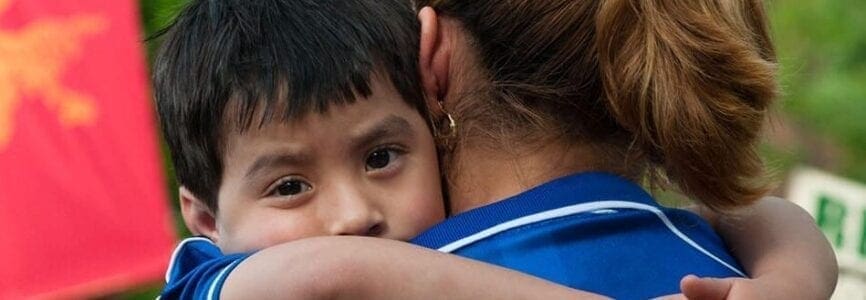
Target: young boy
[292,119]
[296,119]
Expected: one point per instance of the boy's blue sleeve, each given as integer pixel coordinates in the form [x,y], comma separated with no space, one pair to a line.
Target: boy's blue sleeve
[198,270]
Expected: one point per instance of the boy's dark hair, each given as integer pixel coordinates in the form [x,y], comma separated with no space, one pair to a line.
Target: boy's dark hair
[230,64]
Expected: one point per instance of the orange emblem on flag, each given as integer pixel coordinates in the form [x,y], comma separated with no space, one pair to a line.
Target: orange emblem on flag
[32,61]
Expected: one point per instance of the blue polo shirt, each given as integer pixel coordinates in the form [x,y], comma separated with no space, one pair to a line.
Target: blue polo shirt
[592,231]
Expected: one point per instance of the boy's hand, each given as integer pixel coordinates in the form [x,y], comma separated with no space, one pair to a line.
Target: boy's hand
[694,287]
[734,288]
[781,248]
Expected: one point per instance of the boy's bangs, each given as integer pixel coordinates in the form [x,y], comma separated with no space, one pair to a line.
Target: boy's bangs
[273,98]
[246,63]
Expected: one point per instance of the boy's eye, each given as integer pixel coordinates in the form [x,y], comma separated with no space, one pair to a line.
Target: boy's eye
[291,187]
[380,158]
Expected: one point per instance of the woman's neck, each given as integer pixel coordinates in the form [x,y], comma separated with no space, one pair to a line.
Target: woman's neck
[481,175]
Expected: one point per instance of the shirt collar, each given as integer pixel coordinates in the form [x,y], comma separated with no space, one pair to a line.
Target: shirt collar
[569,190]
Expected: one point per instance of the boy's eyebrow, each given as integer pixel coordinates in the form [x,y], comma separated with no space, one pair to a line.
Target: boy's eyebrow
[391,125]
[279,159]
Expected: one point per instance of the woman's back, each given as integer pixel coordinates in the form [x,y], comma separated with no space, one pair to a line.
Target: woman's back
[592,231]
[668,92]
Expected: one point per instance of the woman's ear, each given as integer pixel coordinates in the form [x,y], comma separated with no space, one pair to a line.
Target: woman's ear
[197,215]
[434,58]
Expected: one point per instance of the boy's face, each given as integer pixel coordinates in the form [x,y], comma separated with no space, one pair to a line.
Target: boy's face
[367,168]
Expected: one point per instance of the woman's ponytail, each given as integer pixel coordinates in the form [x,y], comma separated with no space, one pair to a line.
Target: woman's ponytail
[692,81]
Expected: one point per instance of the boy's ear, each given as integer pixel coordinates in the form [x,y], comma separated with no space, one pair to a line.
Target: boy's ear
[199,218]
[434,58]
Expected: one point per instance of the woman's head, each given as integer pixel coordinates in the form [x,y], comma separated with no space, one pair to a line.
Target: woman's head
[672,88]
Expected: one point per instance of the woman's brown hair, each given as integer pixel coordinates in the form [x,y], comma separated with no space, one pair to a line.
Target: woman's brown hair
[680,87]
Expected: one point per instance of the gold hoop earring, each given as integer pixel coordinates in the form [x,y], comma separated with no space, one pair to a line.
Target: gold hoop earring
[452,125]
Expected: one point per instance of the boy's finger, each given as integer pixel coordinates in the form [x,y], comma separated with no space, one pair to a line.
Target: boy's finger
[697,288]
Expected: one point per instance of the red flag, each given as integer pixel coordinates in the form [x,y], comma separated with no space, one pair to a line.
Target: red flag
[82,203]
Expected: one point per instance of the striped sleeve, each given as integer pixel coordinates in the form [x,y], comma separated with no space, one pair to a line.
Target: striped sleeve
[198,270]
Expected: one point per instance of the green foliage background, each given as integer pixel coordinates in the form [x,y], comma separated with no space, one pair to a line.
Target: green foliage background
[822,51]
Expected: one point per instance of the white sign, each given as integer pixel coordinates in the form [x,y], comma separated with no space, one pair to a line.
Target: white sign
[839,208]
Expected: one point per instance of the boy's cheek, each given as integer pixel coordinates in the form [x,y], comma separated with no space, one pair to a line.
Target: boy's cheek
[427,212]
[261,231]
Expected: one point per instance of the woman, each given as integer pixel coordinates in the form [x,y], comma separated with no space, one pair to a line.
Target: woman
[532,96]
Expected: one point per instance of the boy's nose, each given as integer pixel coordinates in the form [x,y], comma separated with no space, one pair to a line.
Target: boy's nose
[359,223]
[361,228]
[356,216]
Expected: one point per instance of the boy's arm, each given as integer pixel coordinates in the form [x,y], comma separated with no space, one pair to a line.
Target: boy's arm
[370,268]
[781,248]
